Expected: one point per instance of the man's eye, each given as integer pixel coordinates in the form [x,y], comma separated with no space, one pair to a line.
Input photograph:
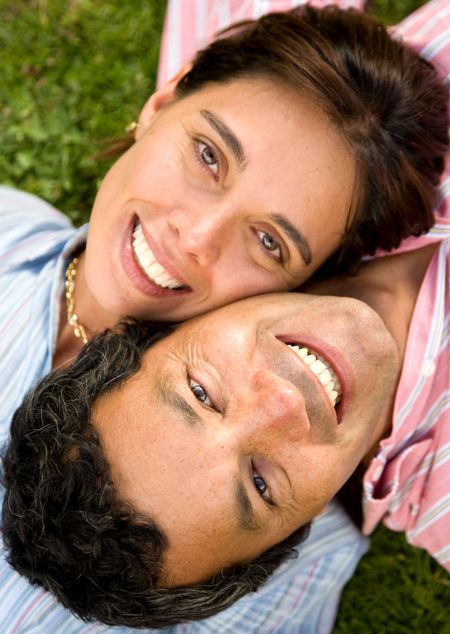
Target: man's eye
[208,157]
[269,243]
[200,393]
[260,485]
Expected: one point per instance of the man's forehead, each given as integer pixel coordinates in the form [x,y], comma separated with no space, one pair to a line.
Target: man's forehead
[257,305]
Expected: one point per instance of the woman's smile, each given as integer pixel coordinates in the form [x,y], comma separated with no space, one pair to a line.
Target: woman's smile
[150,268]
[149,264]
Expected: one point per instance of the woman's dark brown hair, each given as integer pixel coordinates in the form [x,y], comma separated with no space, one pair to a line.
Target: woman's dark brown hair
[387,103]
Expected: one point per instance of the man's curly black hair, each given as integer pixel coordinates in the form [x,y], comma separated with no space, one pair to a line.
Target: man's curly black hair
[64,525]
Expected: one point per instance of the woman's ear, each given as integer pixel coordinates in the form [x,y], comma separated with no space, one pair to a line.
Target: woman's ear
[158,100]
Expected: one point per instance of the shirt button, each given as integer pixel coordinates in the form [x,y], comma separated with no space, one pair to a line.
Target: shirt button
[428,368]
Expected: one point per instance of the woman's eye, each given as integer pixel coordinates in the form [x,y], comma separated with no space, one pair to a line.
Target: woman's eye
[208,157]
[269,243]
[200,393]
[260,485]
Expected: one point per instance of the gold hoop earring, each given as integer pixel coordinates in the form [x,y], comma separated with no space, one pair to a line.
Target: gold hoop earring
[131,128]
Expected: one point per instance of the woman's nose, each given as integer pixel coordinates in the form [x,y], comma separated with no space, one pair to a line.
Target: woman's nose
[200,235]
[278,408]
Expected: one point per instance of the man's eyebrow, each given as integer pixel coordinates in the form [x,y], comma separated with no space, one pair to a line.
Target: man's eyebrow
[227,135]
[298,238]
[247,517]
[168,395]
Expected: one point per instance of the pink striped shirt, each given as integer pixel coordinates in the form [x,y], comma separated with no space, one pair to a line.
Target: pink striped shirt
[408,483]
[427,31]
[192,24]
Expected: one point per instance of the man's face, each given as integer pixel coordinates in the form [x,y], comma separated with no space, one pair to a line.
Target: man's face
[238,189]
[229,440]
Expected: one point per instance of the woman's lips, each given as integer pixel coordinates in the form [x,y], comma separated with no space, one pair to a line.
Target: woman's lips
[147,273]
[148,263]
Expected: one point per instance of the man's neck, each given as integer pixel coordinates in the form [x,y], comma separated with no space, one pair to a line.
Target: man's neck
[390,285]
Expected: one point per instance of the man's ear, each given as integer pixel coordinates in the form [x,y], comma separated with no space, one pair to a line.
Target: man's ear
[158,100]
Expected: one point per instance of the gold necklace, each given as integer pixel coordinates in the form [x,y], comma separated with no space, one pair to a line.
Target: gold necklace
[72,317]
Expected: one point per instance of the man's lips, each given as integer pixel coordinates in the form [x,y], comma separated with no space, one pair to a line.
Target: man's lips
[321,368]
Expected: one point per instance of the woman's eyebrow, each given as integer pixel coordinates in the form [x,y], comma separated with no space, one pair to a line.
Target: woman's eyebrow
[235,146]
[295,235]
[227,135]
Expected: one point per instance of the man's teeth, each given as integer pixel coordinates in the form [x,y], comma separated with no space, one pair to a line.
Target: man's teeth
[322,370]
[148,263]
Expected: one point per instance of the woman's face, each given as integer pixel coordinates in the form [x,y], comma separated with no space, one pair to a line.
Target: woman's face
[236,190]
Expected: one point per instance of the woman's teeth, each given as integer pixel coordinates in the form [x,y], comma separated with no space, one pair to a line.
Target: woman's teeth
[322,370]
[148,263]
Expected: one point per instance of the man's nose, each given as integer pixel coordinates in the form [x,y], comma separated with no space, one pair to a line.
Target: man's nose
[278,408]
[200,234]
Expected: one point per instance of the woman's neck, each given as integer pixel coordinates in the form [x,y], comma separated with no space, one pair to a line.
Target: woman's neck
[90,315]
[67,344]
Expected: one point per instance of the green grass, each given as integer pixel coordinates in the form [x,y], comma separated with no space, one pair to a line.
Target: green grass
[397,589]
[74,73]
[392,11]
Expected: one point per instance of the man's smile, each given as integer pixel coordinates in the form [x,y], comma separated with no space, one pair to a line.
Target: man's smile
[321,369]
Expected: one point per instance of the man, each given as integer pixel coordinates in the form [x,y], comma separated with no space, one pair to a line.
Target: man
[228,434]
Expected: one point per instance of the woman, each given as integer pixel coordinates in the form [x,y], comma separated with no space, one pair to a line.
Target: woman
[210,188]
